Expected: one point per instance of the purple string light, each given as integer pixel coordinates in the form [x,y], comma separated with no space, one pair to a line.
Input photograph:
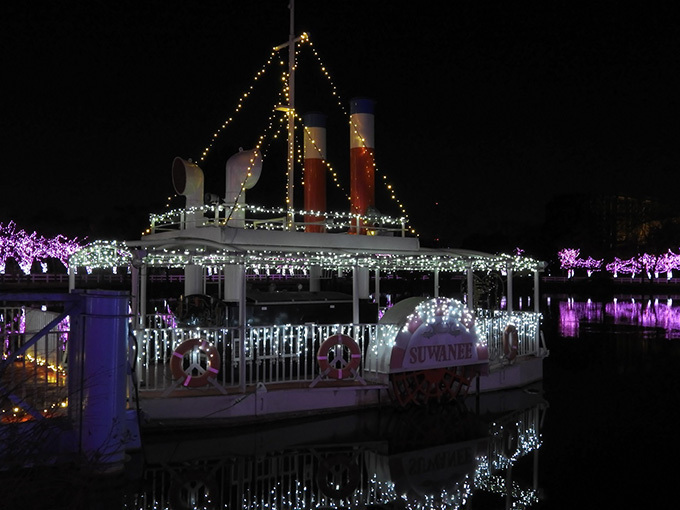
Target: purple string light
[651,264]
[29,248]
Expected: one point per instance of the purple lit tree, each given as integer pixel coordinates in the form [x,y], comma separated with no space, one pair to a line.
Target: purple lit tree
[651,264]
[6,246]
[648,262]
[568,258]
[615,267]
[631,266]
[28,248]
[591,265]
[666,263]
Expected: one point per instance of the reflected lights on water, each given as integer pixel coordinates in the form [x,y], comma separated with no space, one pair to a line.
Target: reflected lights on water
[658,313]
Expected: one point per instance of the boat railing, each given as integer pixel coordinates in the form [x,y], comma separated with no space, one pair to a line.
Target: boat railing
[273,354]
[491,324]
[288,353]
[250,217]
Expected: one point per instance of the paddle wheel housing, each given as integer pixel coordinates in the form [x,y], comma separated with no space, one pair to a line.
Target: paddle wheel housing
[429,351]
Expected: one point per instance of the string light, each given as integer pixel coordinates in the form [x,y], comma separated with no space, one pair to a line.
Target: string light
[305,41]
[331,171]
[102,254]
[117,254]
[239,105]
[29,248]
[389,187]
[341,104]
[651,264]
[365,476]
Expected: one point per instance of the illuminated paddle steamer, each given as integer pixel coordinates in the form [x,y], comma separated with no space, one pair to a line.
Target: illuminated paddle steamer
[238,349]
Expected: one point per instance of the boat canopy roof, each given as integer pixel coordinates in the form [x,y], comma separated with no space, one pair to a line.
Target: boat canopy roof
[261,250]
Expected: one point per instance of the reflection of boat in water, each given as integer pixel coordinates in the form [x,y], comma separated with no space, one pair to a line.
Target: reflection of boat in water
[437,457]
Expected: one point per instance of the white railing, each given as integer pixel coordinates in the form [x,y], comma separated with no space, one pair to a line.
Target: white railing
[491,325]
[287,353]
[273,354]
[274,219]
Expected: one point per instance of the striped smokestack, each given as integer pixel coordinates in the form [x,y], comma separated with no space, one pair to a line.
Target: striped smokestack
[361,149]
[314,171]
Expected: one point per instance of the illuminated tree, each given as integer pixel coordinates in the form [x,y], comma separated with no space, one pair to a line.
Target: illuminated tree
[569,260]
[648,262]
[28,248]
[615,267]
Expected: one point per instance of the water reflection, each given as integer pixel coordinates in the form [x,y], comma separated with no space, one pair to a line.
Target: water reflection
[611,379]
[424,458]
[660,316]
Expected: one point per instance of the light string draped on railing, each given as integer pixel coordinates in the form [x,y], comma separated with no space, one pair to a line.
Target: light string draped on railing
[338,220]
[112,255]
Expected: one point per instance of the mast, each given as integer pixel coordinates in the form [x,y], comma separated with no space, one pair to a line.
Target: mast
[290,111]
[290,216]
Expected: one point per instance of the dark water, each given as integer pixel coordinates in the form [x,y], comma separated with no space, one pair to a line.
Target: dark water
[611,433]
[599,431]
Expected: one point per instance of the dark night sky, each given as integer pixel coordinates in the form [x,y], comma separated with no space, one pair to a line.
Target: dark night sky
[487,109]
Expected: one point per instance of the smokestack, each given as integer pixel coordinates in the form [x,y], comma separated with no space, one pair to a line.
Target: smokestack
[361,162]
[314,171]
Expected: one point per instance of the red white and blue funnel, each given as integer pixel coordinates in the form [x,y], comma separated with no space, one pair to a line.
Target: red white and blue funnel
[362,159]
[314,171]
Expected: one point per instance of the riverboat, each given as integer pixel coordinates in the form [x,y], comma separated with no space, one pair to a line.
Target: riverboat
[281,312]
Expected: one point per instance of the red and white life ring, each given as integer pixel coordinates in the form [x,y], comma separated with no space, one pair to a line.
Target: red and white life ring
[348,366]
[177,363]
[510,342]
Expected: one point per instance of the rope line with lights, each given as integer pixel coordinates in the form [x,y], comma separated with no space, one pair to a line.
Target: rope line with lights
[285,94]
[333,174]
[340,104]
[239,106]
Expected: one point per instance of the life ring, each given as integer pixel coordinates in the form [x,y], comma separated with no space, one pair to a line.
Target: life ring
[177,363]
[193,490]
[348,366]
[338,476]
[510,342]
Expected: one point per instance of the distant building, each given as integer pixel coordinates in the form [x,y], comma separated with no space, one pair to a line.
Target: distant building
[616,224]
